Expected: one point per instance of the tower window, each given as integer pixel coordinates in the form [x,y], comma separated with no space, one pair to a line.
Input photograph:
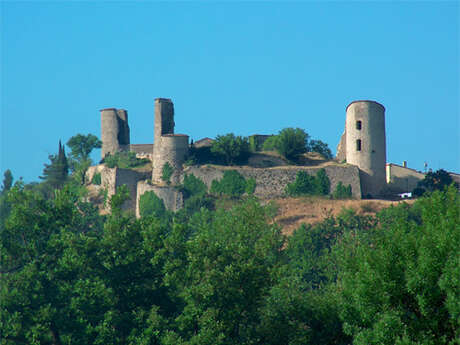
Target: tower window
[358,145]
[358,125]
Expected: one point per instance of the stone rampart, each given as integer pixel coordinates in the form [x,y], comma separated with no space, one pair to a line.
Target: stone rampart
[171,197]
[271,182]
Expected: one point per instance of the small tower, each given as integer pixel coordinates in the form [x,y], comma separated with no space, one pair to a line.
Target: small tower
[114,131]
[167,147]
[365,144]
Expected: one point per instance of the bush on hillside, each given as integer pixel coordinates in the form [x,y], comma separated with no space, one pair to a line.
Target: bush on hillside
[342,192]
[124,160]
[320,147]
[232,184]
[233,149]
[151,205]
[306,184]
[193,186]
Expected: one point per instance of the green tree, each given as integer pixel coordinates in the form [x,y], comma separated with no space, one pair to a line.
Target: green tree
[192,186]
[151,205]
[81,147]
[342,192]
[400,284]
[320,147]
[7,180]
[228,275]
[322,183]
[55,174]
[232,184]
[437,180]
[233,149]
[292,142]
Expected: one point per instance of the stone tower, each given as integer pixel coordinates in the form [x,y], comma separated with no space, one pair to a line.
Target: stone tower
[114,131]
[167,147]
[365,144]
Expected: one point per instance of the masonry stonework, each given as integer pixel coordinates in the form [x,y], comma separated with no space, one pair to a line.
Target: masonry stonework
[365,144]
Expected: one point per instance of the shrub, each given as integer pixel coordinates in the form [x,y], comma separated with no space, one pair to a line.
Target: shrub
[233,149]
[124,160]
[322,183]
[250,186]
[306,184]
[291,142]
[193,186]
[151,205]
[232,184]
[342,192]
[320,147]
[270,143]
[96,179]
[166,172]
[437,180]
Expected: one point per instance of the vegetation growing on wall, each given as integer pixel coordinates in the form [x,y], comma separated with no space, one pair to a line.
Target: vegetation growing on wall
[232,184]
[306,184]
[342,192]
[124,160]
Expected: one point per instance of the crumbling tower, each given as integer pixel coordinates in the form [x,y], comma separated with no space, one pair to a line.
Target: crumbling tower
[167,147]
[365,144]
[114,131]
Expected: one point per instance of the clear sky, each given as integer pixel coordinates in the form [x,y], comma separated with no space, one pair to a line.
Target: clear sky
[242,67]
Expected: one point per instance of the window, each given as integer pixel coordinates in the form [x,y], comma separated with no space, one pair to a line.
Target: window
[358,125]
[358,145]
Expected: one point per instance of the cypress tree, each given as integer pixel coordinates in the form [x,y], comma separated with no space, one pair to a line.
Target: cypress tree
[55,174]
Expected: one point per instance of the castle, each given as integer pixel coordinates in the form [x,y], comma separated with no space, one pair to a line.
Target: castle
[360,159]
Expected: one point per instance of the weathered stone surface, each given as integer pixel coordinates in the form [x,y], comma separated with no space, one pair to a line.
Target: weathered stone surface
[271,182]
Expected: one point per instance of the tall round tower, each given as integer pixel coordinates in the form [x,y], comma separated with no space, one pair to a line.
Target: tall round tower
[365,144]
[109,131]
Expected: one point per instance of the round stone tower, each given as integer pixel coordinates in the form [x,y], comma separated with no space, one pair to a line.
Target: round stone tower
[167,147]
[365,144]
[109,131]
[114,131]
[173,149]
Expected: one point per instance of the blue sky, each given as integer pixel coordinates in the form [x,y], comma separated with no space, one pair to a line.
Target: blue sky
[242,67]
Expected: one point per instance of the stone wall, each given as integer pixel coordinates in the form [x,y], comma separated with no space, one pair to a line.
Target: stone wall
[401,179]
[271,182]
[171,197]
[112,178]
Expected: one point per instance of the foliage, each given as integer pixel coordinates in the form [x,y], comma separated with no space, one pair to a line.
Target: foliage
[306,184]
[96,179]
[55,174]
[228,275]
[270,143]
[151,205]
[81,147]
[253,145]
[166,172]
[193,186]
[320,147]
[342,192]
[291,142]
[7,181]
[250,186]
[124,160]
[233,149]
[232,184]
[400,284]
[437,180]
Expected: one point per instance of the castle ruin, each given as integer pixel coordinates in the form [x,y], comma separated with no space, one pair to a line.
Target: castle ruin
[362,148]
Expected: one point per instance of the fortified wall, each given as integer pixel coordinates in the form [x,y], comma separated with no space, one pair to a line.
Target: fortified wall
[362,147]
